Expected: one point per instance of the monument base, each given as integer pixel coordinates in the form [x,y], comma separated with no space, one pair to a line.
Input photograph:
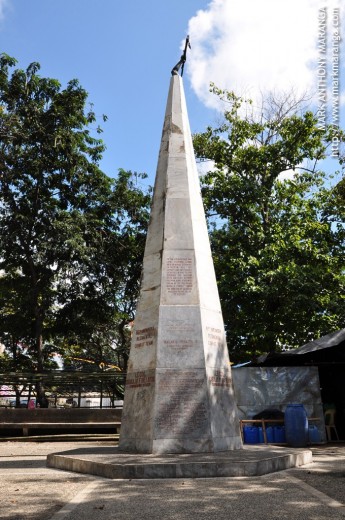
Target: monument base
[108,462]
[170,446]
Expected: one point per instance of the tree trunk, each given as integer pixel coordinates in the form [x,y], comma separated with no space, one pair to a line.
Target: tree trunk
[39,346]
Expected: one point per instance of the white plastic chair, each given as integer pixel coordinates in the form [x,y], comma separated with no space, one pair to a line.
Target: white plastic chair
[330,424]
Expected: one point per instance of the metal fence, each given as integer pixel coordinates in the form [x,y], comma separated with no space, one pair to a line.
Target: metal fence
[63,389]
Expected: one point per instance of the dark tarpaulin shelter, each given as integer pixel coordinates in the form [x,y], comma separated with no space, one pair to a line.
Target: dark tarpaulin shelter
[328,349]
[328,354]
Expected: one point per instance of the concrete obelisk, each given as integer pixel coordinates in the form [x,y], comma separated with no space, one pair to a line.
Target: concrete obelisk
[178,396]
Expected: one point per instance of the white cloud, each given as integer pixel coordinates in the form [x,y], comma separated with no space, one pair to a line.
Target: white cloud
[3,5]
[204,167]
[252,46]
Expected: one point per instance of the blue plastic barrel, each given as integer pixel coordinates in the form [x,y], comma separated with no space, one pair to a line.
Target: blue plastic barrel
[279,434]
[314,435]
[269,434]
[261,434]
[296,425]
[251,435]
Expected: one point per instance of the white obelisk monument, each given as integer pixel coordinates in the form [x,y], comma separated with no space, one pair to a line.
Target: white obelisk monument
[179,395]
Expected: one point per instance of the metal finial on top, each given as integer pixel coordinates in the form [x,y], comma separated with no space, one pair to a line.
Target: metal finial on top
[182,59]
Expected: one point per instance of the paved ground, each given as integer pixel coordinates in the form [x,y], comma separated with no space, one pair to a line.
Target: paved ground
[31,491]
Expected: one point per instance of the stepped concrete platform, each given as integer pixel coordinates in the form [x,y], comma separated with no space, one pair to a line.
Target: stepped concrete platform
[109,462]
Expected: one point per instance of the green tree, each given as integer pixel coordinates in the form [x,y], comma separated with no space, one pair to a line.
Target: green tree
[71,238]
[92,323]
[278,243]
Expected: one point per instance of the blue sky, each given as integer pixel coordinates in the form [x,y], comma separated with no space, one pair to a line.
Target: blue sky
[122,53]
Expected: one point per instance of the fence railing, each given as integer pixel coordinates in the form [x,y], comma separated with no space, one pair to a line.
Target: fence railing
[63,389]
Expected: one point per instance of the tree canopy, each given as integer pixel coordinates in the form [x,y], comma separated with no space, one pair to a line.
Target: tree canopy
[278,240]
[71,238]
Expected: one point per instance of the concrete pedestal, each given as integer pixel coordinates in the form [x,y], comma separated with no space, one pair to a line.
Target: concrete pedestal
[109,463]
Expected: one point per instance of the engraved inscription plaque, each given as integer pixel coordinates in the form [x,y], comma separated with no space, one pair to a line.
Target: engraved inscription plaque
[221,378]
[182,409]
[139,379]
[180,335]
[179,275]
[144,337]
[214,337]
[180,341]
